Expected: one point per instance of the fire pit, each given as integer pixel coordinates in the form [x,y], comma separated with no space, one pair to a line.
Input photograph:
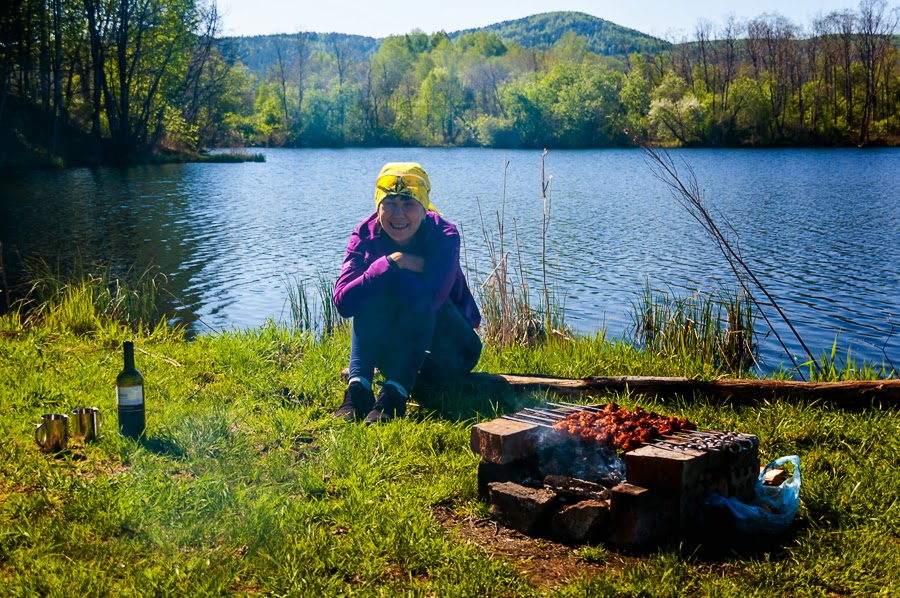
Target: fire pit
[601,473]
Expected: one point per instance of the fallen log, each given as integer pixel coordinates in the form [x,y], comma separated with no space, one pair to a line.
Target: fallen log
[848,393]
[739,391]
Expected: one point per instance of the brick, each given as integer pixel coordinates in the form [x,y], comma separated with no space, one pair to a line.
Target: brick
[654,467]
[584,521]
[743,471]
[489,473]
[504,441]
[519,507]
[692,508]
[566,486]
[640,516]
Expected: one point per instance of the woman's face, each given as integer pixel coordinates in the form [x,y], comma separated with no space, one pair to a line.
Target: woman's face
[400,217]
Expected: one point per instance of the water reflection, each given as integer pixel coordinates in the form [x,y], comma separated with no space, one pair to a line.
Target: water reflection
[819,227]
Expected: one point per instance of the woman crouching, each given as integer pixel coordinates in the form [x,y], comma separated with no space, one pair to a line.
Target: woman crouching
[401,282]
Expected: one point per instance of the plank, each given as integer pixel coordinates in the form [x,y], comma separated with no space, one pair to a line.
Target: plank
[851,393]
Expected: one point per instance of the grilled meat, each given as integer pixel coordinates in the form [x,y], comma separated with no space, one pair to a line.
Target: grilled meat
[620,428]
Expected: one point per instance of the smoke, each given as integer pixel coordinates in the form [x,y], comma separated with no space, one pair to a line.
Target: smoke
[562,454]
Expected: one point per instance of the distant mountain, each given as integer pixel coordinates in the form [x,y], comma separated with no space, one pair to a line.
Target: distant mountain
[260,52]
[542,31]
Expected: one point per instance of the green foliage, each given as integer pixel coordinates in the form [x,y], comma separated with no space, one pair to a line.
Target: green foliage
[676,115]
[181,136]
[116,81]
[546,81]
[558,79]
[483,43]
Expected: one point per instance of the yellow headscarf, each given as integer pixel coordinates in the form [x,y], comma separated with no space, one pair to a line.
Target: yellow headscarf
[404,178]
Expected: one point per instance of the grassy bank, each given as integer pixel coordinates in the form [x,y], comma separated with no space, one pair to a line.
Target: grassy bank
[245,485]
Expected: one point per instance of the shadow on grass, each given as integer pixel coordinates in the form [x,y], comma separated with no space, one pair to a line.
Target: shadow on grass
[477,396]
[723,543]
[162,446]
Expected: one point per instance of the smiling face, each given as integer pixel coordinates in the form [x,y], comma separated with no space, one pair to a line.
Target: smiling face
[400,217]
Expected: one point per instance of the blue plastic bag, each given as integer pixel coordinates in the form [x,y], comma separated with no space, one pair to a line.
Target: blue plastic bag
[774,508]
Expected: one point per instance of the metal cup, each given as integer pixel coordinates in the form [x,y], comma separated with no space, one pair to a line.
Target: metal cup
[52,433]
[86,423]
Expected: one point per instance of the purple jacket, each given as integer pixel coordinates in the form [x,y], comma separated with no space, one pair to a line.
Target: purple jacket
[367,272]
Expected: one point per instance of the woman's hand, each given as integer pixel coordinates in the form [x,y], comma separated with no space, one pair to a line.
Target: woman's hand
[405,261]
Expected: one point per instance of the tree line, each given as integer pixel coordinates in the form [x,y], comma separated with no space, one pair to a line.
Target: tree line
[107,80]
[764,81]
[117,79]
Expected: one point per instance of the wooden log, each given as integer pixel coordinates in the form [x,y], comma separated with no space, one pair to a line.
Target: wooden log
[848,393]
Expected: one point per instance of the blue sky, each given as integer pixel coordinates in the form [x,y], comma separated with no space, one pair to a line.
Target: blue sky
[379,18]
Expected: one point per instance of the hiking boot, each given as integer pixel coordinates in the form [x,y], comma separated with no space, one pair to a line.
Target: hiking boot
[358,400]
[390,404]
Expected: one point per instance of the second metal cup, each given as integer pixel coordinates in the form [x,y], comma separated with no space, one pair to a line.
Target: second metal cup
[86,423]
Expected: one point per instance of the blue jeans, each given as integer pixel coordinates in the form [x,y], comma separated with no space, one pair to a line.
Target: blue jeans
[400,343]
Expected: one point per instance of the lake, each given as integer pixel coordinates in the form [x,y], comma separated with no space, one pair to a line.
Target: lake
[819,227]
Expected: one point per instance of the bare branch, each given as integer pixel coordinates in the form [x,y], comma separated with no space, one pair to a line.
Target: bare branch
[689,197]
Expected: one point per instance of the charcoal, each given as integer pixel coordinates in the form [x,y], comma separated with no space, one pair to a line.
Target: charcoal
[574,487]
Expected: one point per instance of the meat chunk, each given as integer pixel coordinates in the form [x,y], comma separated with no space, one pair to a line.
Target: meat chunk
[619,428]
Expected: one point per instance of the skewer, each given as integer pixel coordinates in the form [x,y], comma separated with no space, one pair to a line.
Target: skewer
[684,446]
[701,440]
[698,446]
[577,407]
[545,412]
[662,445]
[722,439]
[522,420]
[674,447]
[531,413]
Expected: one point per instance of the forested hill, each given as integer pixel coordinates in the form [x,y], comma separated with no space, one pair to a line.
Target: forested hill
[542,31]
[260,52]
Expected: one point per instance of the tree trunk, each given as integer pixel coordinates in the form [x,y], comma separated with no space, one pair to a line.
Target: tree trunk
[57,111]
[97,57]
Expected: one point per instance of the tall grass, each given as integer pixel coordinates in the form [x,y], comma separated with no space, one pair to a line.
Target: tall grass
[298,304]
[4,287]
[235,154]
[90,300]
[831,367]
[717,329]
[320,315]
[510,316]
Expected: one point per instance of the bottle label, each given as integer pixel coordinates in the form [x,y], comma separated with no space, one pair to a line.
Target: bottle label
[130,395]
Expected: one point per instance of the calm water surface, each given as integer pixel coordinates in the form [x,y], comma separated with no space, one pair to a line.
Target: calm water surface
[819,227]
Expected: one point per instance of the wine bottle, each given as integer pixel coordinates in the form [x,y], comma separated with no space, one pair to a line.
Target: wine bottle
[130,396]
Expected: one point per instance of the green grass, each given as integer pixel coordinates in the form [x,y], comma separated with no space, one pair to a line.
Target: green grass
[716,329]
[245,485]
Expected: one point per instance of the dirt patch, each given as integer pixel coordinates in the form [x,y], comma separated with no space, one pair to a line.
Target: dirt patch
[543,563]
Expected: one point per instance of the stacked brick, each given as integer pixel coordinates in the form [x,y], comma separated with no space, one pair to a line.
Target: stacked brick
[661,496]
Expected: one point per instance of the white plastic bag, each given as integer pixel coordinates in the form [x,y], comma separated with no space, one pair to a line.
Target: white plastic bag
[774,508]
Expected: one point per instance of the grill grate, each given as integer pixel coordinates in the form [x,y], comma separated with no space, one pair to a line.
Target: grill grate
[685,440]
